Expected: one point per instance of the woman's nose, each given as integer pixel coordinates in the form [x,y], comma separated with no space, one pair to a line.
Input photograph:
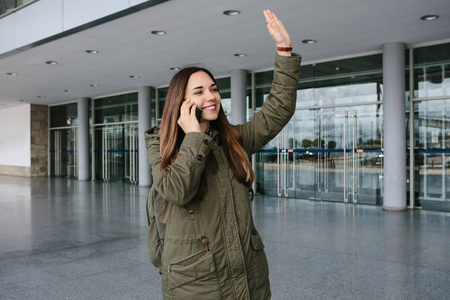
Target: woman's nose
[210,96]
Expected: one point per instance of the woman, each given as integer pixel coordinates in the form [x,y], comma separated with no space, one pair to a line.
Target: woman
[211,248]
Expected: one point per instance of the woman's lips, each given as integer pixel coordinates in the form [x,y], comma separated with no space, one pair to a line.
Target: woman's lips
[211,107]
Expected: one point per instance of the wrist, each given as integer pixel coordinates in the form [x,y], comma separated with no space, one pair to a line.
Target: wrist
[285,50]
[284,53]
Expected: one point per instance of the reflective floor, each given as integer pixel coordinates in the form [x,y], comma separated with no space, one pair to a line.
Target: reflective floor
[65,239]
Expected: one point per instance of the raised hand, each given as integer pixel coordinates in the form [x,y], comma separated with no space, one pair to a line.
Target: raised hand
[277,31]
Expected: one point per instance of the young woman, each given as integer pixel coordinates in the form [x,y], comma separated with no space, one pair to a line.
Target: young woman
[212,249]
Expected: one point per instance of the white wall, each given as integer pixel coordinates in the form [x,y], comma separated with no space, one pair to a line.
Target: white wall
[15,136]
[46,18]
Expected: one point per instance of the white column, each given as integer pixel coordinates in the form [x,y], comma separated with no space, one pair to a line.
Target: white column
[144,115]
[83,139]
[394,127]
[238,96]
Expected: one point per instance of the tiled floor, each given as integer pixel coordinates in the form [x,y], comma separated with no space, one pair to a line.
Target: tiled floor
[65,239]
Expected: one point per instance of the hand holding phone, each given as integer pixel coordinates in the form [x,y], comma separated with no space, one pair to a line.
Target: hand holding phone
[186,120]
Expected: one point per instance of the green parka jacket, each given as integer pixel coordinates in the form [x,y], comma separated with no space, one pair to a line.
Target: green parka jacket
[234,265]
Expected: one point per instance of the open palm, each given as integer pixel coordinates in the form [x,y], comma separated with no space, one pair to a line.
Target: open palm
[276,29]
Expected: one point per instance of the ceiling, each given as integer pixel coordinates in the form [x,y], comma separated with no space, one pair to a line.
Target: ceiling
[197,32]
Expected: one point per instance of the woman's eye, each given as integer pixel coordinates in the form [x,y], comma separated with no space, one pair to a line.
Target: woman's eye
[197,93]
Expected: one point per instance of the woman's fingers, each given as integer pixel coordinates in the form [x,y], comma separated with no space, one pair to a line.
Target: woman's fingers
[277,30]
[186,108]
[187,120]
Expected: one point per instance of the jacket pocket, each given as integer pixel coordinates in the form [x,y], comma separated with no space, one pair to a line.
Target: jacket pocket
[256,241]
[194,277]
[260,268]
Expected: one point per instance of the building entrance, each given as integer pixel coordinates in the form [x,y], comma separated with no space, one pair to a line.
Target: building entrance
[63,153]
[116,157]
[332,154]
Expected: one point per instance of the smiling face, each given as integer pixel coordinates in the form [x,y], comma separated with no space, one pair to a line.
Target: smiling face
[203,91]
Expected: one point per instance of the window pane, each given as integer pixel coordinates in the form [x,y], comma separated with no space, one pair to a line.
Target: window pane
[162,94]
[224,85]
[120,108]
[63,115]
[348,81]
[9,5]
[432,71]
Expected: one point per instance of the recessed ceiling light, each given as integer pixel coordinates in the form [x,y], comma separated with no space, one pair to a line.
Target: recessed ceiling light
[429,17]
[92,51]
[158,32]
[68,91]
[51,62]
[11,74]
[240,55]
[134,76]
[175,68]
[231,12]
[337,68]
[308,41]
[94,85]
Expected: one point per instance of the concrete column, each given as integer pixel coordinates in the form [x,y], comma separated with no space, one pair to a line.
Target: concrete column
[394,127]
[83,139]
[238,95]
[144,117]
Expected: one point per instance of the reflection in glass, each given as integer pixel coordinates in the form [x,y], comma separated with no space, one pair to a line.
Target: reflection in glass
[331,149]
[330,154]
[348,81]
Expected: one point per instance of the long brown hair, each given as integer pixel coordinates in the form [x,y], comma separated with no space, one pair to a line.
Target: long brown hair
[171,134]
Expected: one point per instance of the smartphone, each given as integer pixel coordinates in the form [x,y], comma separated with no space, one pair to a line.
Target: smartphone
[199,114]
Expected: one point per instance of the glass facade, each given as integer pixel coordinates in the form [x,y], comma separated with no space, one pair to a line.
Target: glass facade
[332,149]
[431,117]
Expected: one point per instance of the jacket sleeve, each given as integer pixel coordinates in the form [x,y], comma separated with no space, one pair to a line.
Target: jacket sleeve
[278,107]
[180,184]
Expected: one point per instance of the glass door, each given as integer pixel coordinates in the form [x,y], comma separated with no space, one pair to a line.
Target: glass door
[432,153]
[331,154]
[116,156]
[63,153]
